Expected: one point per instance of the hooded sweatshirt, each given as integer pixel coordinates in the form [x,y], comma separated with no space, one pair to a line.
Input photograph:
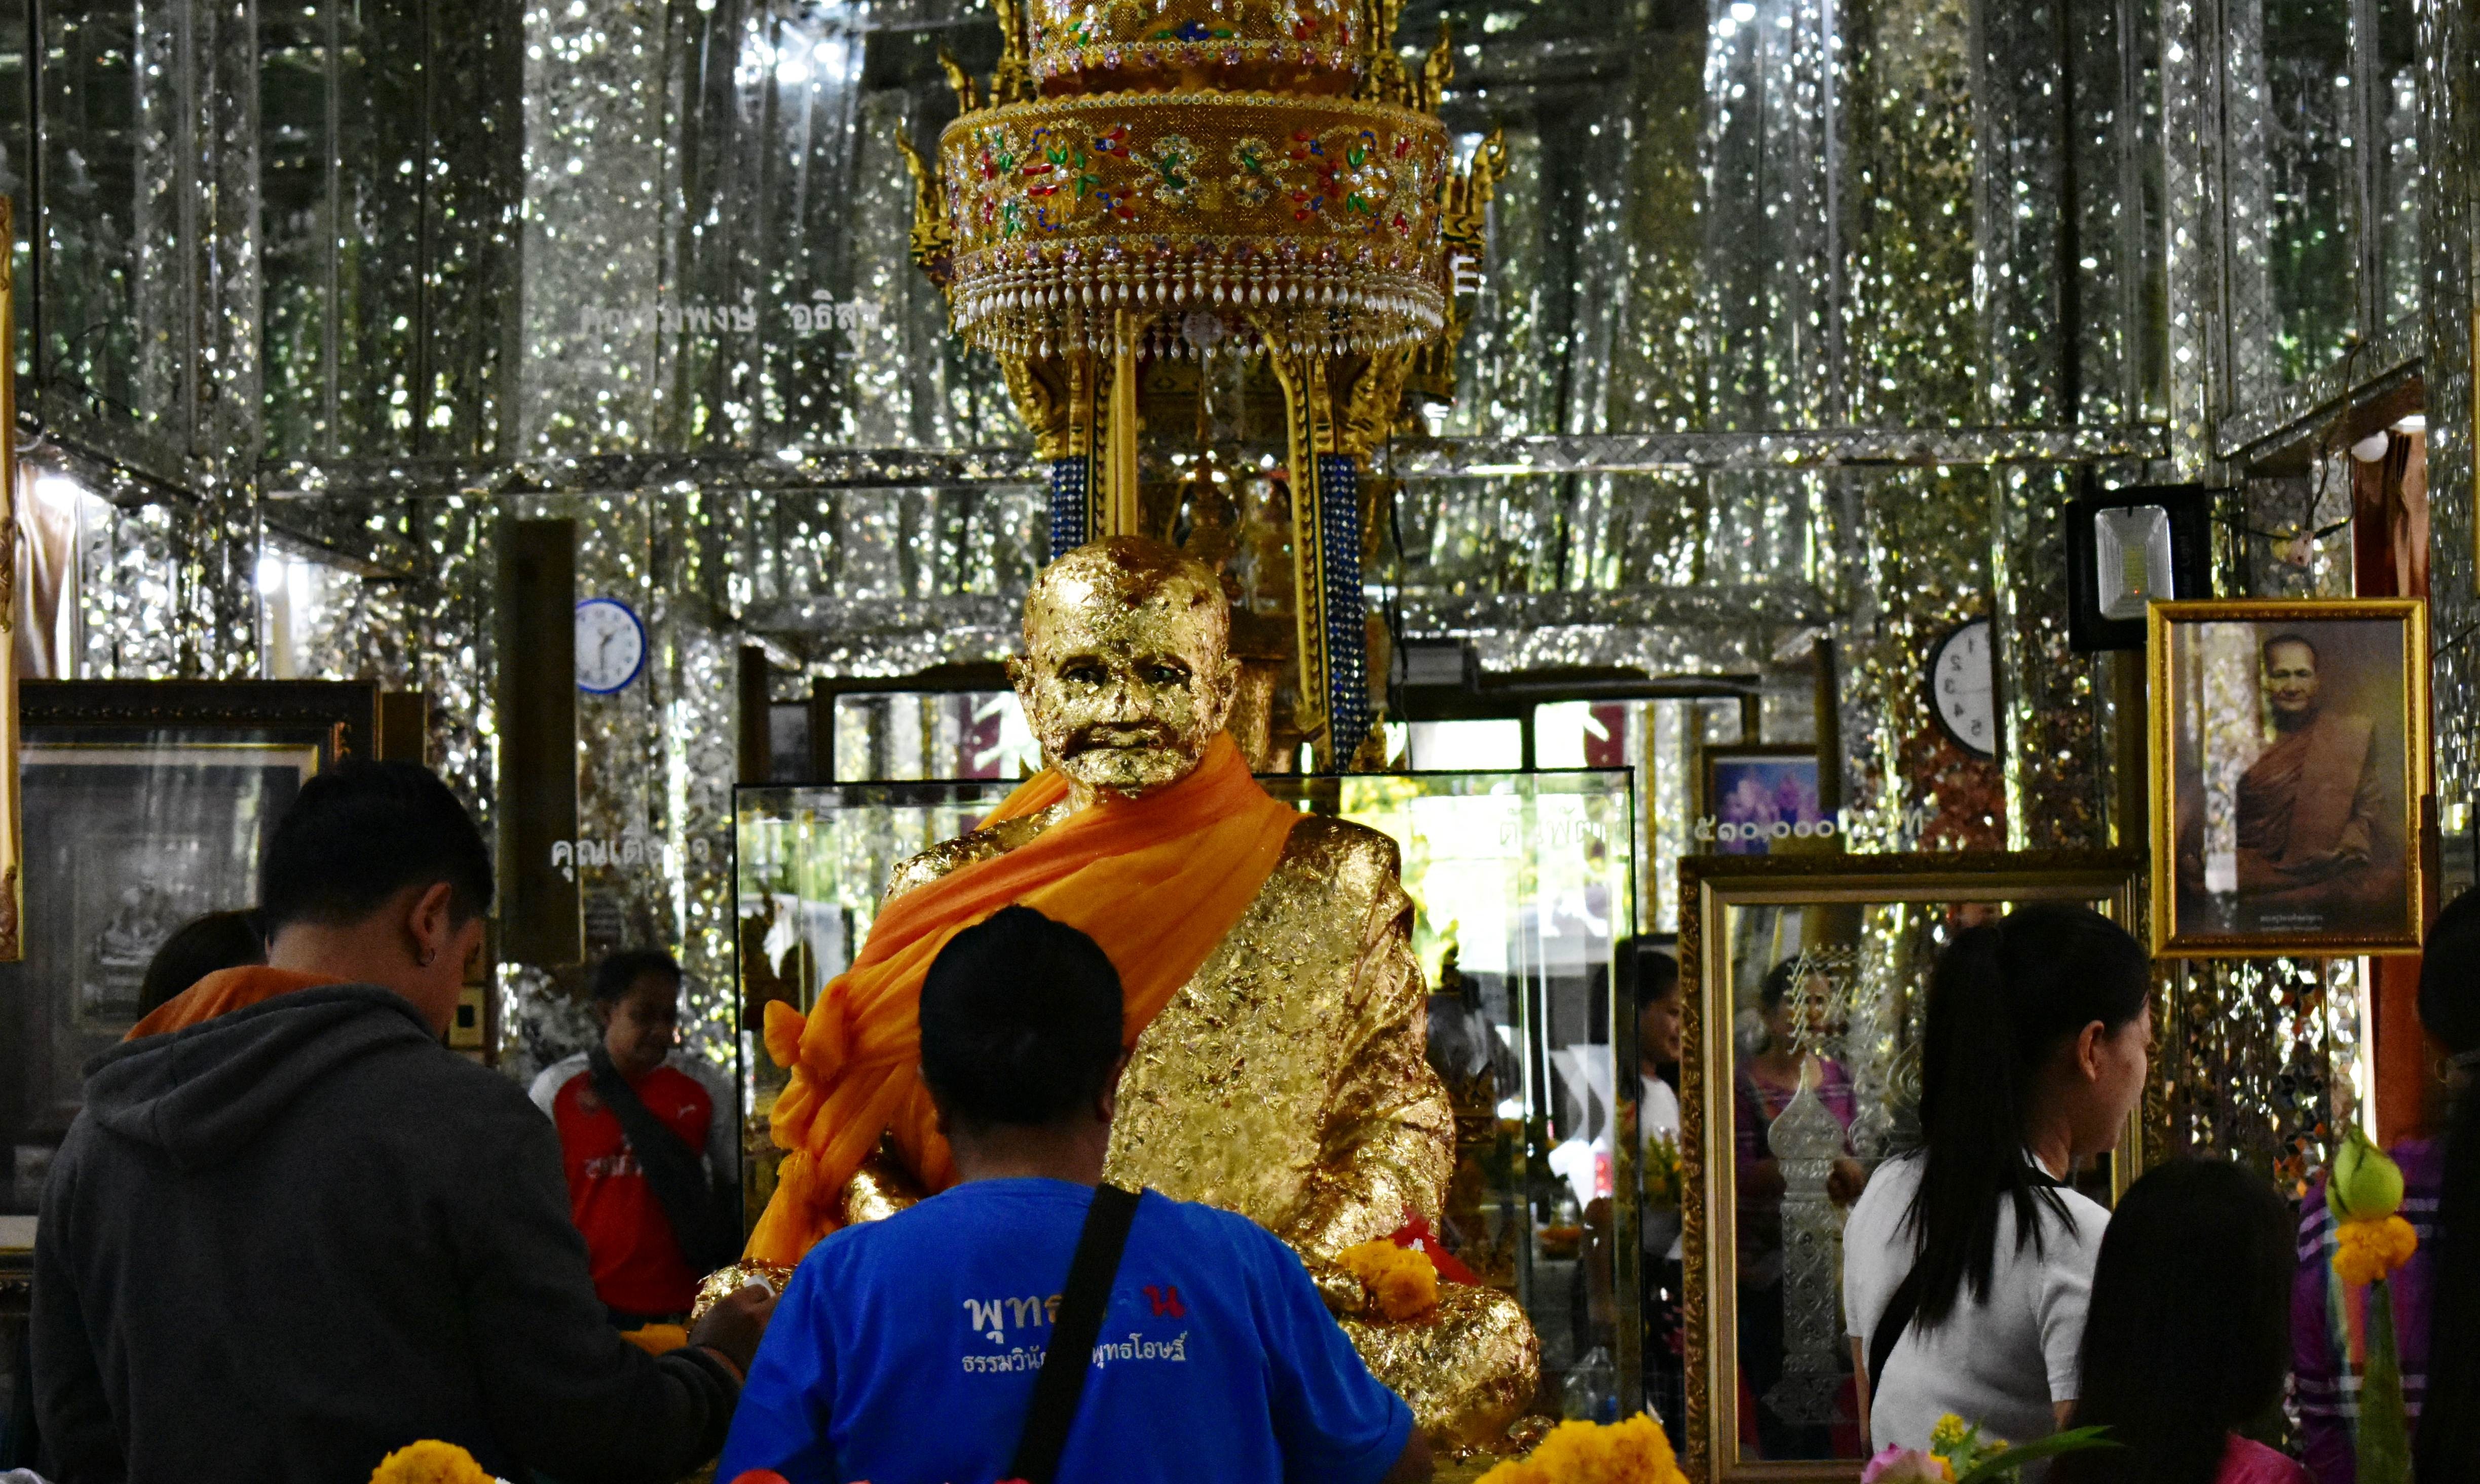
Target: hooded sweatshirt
[279,1245]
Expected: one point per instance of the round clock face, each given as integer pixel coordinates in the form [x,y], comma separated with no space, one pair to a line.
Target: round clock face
[611,645]
[1963,688]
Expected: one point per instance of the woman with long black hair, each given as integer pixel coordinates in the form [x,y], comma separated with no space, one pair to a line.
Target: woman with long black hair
[1968,1262]
[2189,1332]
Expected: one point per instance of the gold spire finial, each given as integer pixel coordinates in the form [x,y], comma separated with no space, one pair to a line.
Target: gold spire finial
[968,97]
[1437,69]
[933,238]
[1013,82]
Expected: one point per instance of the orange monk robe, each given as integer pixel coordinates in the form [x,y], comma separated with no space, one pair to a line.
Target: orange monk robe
[2311,814]
[1157,882]
[222,992]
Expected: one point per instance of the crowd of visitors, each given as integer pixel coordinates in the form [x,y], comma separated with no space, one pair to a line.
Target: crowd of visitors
[2199,1319]
[290,1231]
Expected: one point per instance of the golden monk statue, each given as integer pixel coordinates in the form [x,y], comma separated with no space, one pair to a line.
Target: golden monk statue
[1278,1013]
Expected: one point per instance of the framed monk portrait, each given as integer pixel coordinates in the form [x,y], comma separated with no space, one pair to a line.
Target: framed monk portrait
[2288,760]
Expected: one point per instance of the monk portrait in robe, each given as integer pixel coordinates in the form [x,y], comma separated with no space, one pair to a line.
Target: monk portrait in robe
[2319,815]
[1275,1015]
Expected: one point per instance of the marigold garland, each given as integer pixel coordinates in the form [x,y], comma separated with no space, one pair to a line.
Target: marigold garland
[2365,1251]
[429,1462]
[1401,1283]
[1633,1451]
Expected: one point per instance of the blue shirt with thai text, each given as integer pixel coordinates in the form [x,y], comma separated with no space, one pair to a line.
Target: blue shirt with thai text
[904,1353]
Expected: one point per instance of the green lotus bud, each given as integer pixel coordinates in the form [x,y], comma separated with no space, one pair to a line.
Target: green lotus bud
[2364,1185]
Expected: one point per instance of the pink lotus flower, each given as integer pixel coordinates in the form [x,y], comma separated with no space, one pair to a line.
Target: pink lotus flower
[1906,1465]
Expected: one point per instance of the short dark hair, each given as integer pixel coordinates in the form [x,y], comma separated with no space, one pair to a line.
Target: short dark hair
[2278,640]
[2188,1335]
[1020,1022]
[613,975]
[196,949]
[360,834]
[1646,973]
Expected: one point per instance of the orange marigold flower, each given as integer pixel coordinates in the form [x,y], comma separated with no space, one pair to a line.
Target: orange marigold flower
[1635,1451]
[1401,1282]
[2364,1251]
[429,1462]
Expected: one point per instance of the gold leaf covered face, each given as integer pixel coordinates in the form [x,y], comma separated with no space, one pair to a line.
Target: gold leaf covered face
[1127,672]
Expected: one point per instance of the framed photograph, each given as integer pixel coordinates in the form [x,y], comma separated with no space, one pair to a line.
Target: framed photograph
[2127,549]
[2289,763]
[1760,797]
[1804,1000]
[146,804]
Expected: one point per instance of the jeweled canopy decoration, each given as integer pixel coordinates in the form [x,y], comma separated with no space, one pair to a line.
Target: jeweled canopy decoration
[1080,221]
[1172,180]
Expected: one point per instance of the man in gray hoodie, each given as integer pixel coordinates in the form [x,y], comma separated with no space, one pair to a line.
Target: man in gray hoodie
[297,1233]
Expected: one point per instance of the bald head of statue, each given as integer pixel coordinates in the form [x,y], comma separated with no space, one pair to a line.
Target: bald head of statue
[1127,671]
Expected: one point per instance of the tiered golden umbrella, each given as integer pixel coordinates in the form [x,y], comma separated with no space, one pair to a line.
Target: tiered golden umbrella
[1175,180]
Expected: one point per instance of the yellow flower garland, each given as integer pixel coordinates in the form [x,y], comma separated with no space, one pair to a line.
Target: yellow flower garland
[1635,1451]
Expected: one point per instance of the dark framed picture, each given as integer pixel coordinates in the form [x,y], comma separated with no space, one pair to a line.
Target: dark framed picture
[2289,763]
[146,804]
[1758,798]
[2128,548]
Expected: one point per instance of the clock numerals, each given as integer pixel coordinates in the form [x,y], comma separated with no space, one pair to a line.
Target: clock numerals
[1963,690]
[611,645]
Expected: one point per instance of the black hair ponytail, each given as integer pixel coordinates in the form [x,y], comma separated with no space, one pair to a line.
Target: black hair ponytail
[2001,999]
[2447,1446]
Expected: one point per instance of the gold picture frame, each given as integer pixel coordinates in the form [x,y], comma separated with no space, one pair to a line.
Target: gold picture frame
[1710,888]
[13,830]
[2286,805]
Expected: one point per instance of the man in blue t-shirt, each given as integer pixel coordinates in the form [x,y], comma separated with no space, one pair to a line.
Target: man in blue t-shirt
[904,1352]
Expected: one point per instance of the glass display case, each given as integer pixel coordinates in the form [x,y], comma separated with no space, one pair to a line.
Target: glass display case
[1523,886]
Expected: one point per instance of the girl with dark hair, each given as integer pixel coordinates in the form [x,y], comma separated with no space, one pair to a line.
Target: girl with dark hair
[2436,1296]
[2189,1332]
[1967,1264]
[198,948]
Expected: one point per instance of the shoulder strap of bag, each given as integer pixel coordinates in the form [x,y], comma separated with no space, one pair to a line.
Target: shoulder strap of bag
[1905,1305]
[674,1170]
[1061,1383]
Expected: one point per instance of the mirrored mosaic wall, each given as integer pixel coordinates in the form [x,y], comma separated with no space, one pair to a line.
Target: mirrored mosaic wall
[1801,319]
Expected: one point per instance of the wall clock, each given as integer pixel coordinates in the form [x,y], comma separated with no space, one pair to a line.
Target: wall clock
[611,645]
[1963,688]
